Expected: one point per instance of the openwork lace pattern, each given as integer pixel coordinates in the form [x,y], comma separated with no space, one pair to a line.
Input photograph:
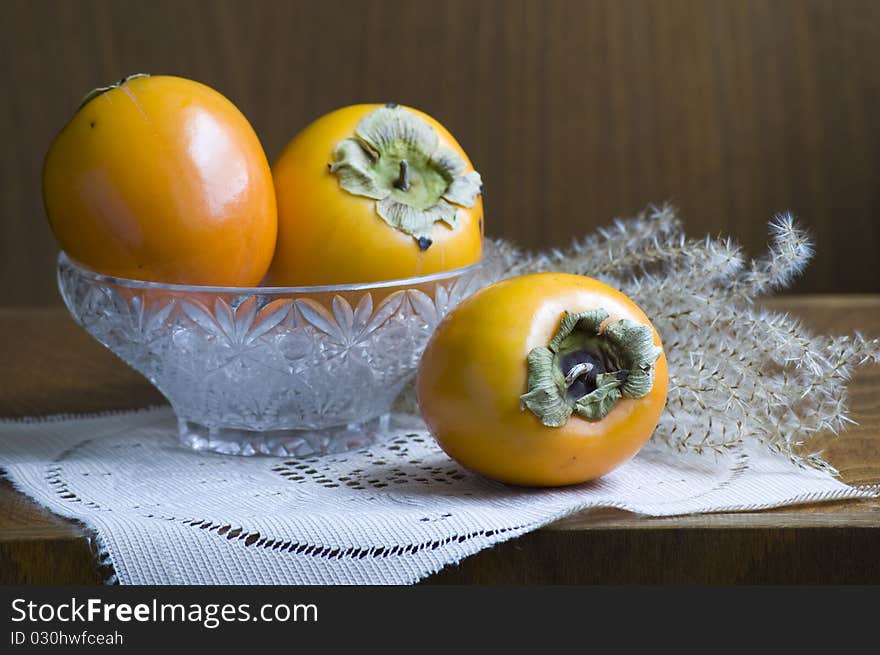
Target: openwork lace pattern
[391,513]
[747,387]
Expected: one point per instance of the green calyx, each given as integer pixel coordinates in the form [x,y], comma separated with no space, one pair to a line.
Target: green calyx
[586,368]
[94,93]
[394,158]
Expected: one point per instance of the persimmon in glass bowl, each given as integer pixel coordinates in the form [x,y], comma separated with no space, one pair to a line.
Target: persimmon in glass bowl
[269,370]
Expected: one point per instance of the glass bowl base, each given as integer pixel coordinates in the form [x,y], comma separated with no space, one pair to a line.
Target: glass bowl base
[283,443]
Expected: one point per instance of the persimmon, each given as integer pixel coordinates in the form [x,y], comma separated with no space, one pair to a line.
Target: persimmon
[371,192]
[163,179]
[543,380]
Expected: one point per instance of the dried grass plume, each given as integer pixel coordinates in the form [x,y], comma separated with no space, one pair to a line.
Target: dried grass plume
[737,371]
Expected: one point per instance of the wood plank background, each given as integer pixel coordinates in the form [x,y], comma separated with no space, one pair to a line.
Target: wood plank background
[575,111]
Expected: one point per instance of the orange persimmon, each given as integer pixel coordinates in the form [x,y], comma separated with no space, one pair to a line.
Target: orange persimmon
[163,179]
[543,380]
[372,192]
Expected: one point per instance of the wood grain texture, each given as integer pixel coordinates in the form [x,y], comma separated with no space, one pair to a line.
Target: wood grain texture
[48,365]
[676,556]
[575,111]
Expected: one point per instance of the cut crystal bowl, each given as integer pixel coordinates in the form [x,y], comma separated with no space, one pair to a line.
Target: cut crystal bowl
[269,370]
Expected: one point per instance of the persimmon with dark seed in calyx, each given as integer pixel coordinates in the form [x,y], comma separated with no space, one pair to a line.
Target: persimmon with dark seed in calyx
[543,380]
[374,192]
[162,179]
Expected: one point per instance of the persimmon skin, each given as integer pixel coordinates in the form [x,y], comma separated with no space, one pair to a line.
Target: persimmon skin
[162,179]
[474,371]
[327,235]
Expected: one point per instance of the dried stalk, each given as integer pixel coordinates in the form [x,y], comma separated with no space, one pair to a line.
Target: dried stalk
[737,372]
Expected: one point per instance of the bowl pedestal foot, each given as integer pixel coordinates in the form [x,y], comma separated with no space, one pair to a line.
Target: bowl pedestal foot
[283,443]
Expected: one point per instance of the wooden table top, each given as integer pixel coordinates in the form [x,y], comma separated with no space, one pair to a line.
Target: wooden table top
[48,365]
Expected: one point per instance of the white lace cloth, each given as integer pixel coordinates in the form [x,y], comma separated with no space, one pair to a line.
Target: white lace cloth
[391,514]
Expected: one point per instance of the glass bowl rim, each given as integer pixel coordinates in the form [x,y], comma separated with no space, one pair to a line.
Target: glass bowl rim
[84,271]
